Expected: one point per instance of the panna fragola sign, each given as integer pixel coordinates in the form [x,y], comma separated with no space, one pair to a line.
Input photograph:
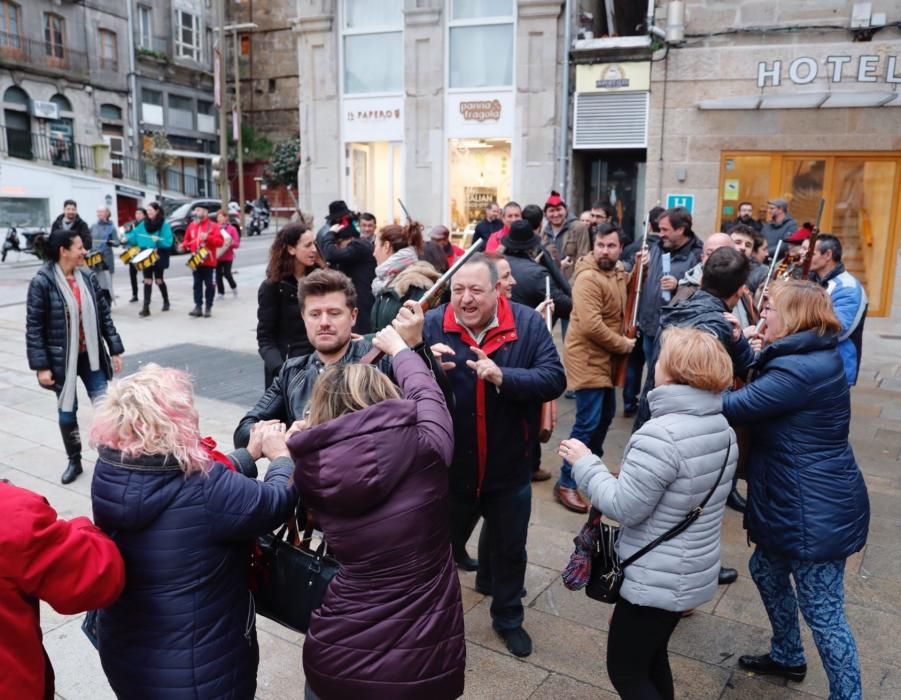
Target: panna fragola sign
[837,69]
[481,110]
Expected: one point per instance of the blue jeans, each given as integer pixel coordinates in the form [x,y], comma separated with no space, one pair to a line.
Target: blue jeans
[632,387]
[819,592]
[204,285]
[95,384]
[595,410]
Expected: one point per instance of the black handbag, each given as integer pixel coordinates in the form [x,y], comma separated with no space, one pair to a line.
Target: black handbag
[606,577]
[291,580]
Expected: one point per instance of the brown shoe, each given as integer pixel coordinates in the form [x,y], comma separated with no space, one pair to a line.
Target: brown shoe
[570,499]
[541,475]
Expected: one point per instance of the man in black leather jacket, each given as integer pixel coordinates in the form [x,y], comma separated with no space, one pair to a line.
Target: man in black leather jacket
[327,300]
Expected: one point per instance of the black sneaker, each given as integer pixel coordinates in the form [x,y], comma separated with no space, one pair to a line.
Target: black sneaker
[208,312]
[133,300]
[196,312]
[765,666]
[518,641]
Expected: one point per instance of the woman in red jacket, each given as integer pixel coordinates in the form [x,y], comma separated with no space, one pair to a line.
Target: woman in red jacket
[203,233]
[227,256]
[68,563]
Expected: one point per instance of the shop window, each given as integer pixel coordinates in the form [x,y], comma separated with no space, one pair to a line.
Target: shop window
[746,178]
[373,47]
[481,39]
[479,173]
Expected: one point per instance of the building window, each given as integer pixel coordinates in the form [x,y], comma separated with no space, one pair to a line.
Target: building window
[54,34]
[481,43]
[16,95]
[9,25]
[108,111]
[152,107]
[373,46]
[109,50]
[188,36]
[181,112]
[145,27]
[62,102]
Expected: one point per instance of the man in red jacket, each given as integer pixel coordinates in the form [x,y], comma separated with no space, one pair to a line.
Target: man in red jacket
[203,233]
[68,563]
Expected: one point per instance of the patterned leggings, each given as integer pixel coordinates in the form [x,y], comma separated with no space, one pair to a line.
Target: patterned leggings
[821,597]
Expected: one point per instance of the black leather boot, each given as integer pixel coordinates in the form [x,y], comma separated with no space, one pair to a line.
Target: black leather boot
[765,666]
[463,560]
[148,290]
[165,292]
[72,443]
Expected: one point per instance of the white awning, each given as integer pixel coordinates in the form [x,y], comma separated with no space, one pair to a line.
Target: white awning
[806,100]
[190,154]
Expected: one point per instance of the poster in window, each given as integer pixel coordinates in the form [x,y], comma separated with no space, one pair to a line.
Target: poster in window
[477,199]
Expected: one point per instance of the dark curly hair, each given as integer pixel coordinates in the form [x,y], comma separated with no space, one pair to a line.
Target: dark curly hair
[281,263]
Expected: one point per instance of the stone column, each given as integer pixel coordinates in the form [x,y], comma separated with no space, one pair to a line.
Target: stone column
[425,144]
[539,36]
[319,175]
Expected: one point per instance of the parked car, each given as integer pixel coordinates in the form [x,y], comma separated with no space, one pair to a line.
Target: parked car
[180,217]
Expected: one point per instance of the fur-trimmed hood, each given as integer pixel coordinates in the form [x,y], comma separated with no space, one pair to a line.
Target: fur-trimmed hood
[421,274]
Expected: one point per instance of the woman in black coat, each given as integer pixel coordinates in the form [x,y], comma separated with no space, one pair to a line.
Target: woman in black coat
[281,333]
[68,331]
[344,250]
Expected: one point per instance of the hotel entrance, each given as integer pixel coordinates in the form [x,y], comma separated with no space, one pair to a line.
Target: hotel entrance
[863,204]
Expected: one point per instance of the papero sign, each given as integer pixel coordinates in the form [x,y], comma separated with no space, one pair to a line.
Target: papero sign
[837,69]
[481,110]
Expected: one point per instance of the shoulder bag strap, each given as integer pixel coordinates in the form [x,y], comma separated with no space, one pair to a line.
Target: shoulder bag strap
[689,518]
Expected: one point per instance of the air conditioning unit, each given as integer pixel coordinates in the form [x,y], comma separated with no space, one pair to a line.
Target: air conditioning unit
[44,110]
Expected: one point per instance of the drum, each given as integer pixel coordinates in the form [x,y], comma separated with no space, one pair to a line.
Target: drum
[146,258]
[93,258]
[197,259]
[129,254]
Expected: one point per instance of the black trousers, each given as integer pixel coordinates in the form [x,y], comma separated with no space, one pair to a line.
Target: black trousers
[502,546]
[224,271]
[133,277]
[637,660]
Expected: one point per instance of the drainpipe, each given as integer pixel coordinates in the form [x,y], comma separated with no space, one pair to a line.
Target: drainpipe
[132,80]
[563,156]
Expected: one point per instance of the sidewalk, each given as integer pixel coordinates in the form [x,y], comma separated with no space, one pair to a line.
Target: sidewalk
[569,630]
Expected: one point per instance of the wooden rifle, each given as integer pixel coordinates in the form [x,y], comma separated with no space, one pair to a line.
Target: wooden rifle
[548,408]
[431,296]
[630,312]
[805,265]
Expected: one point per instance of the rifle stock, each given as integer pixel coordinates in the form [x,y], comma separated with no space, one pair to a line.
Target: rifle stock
[630,314]
[805,266]
[548,419]
[428,299]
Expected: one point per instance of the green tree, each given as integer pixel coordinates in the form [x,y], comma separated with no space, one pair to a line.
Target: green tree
[282,169]
[157,154]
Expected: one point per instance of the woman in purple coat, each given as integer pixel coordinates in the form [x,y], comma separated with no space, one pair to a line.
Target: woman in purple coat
[372,462]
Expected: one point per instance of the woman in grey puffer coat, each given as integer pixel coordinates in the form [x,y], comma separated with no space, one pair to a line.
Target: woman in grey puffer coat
[669,465]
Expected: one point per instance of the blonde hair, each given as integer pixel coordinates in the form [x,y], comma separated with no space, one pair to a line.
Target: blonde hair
[804,306]
[345,388]
[151,412]
[696,358]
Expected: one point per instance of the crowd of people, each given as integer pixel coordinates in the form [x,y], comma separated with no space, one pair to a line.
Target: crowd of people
[395,426]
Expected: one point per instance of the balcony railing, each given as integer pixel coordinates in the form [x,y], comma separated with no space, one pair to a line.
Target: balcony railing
[65,153]
[18,50]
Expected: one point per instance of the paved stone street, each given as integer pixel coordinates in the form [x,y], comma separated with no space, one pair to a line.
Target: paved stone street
[569,630]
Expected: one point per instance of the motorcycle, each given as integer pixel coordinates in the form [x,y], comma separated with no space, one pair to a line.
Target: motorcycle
[259,218]
[11,242]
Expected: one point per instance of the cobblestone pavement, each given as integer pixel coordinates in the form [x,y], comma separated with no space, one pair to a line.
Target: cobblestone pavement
[569,630]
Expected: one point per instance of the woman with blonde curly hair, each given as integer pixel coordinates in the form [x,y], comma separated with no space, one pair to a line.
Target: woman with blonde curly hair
[183,519]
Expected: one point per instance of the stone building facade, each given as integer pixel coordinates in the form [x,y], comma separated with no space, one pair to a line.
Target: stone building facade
[765,100]
[445,104]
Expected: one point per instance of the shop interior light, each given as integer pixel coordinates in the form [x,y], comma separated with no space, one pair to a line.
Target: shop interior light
[471,144]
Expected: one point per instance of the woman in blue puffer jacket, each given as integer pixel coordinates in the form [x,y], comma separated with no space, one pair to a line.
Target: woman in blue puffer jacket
[808,509]
[184,520]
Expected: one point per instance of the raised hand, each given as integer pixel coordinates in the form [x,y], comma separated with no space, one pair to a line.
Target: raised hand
[485,368]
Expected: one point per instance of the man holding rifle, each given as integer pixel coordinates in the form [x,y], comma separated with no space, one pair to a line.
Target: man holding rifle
[502,364]
[594,340]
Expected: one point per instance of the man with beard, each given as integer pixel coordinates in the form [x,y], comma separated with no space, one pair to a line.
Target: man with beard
[512,212]
[745,217]
[328,306]
[780,226]
[594,341]
[69,220]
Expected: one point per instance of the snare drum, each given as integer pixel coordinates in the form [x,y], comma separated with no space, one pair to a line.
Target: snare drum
[128,255]
[146,258]
[197,259]
[93,258]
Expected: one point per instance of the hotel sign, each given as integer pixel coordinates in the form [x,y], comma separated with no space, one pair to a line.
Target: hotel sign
[837,69]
